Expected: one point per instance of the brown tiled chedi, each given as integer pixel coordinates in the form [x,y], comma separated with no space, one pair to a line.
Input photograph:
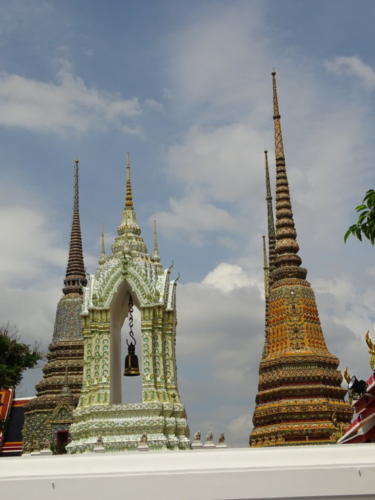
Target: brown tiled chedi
[64,367]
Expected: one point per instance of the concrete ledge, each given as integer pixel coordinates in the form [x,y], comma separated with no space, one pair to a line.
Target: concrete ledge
[331,471]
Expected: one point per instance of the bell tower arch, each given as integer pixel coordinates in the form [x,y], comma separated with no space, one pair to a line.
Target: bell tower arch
[129,271]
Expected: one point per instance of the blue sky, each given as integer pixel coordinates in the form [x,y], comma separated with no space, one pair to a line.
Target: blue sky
[186,88]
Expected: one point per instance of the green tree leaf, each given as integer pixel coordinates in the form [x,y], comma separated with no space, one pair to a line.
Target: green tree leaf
[15,357]
[365,225]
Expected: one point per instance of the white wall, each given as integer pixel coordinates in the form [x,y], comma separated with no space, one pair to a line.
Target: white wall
[331,471]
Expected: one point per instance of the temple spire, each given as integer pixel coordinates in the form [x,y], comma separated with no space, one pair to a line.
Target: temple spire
[265,269]
[270,219]
[156,255]
[75,276]
[102,243]
[128,190]
[288,261]
[128,214]
[129,233]
[299,385]
[103,254]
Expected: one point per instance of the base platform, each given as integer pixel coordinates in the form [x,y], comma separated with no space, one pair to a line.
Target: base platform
[122,426]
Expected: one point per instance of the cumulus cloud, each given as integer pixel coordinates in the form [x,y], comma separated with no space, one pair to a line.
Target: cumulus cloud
[219,342]
[26,251]
[347,308]
[193,216]
[154,105]
[33,256]
[65,105]
[31,271]
[353,66]
[229,105]
[224,162]
[227,277]
[220,337]
[209,71]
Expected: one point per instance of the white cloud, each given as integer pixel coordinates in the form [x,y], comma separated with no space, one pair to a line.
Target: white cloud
[215,60]
[229,106]
[223,162]
[24,252]
[227,277]
[239,427]
[220,337]
[33,258]
[193,216]
[348,310]
[219,342]
[62,106]
[353,66]
[154,105]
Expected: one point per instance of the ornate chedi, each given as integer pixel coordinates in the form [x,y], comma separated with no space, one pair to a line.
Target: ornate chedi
[300,399]
[129,271]
[65,356]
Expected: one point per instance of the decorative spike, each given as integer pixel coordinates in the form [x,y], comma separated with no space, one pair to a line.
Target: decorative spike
[270,219]
[156,255]
[129,237]
[102,242]
[288,261]
[265,269]
[128,190]
[75,277]
[103,254]
[279,147]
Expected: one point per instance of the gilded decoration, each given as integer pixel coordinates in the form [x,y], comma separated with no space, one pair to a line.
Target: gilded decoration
[371,347]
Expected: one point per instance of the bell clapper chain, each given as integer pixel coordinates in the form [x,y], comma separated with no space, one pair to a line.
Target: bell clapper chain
[131,360]
[131,323]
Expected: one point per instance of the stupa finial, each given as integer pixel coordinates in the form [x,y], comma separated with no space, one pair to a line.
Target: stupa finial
[102,242]
[156,255]
[128,189]
[279,147]
[129,233]
[270,219]
[103,254]
[288,261]
[265,269]
[75,276]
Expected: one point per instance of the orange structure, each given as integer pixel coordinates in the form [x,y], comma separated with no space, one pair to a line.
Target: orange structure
[11,422]
[300,399]
[362,394]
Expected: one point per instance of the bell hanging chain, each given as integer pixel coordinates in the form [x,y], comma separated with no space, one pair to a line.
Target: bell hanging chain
[131,322]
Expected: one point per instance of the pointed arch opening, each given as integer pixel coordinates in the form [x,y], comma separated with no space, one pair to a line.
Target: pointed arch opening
[124,389]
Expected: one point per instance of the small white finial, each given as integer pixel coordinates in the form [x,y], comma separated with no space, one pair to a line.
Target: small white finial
[156,255]
[102,246]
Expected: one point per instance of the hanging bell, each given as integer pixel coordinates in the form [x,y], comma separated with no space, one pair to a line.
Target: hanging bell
[131,362]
